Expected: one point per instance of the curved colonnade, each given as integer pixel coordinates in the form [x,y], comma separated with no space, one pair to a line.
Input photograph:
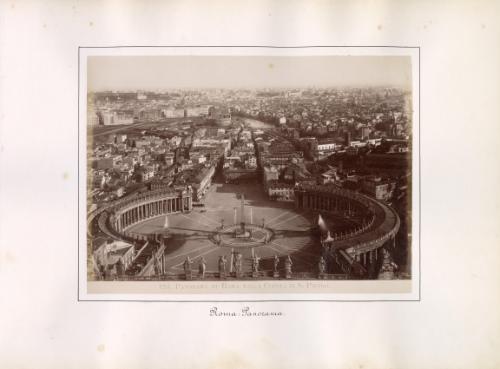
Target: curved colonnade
[361,244]
[116,219]
[130,211]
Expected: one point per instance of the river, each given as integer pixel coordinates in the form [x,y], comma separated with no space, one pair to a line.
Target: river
[256,124]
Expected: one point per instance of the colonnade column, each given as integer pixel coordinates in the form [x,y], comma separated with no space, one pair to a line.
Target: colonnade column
[154,208]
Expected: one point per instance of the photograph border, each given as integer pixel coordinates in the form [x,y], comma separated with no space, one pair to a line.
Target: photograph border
[305,299]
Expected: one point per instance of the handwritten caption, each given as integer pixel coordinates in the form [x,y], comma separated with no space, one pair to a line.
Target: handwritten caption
[246,311]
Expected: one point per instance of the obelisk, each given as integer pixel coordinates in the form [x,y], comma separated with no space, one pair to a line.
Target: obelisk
[242,216]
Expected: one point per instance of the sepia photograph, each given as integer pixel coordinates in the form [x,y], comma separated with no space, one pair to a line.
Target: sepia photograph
[230,168]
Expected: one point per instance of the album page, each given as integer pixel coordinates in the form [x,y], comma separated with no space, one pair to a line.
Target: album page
[249,185]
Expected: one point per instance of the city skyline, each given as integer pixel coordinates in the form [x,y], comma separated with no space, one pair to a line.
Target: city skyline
[150,73]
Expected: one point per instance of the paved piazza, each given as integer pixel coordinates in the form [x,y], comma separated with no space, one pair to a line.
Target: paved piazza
[192,233]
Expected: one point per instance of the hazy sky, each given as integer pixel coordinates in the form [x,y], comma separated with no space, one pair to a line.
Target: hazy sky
[170,72]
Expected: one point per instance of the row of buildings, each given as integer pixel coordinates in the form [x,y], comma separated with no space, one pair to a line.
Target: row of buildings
[119,116]
[176,157]
[120,108]
[241,162]
[284,167]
